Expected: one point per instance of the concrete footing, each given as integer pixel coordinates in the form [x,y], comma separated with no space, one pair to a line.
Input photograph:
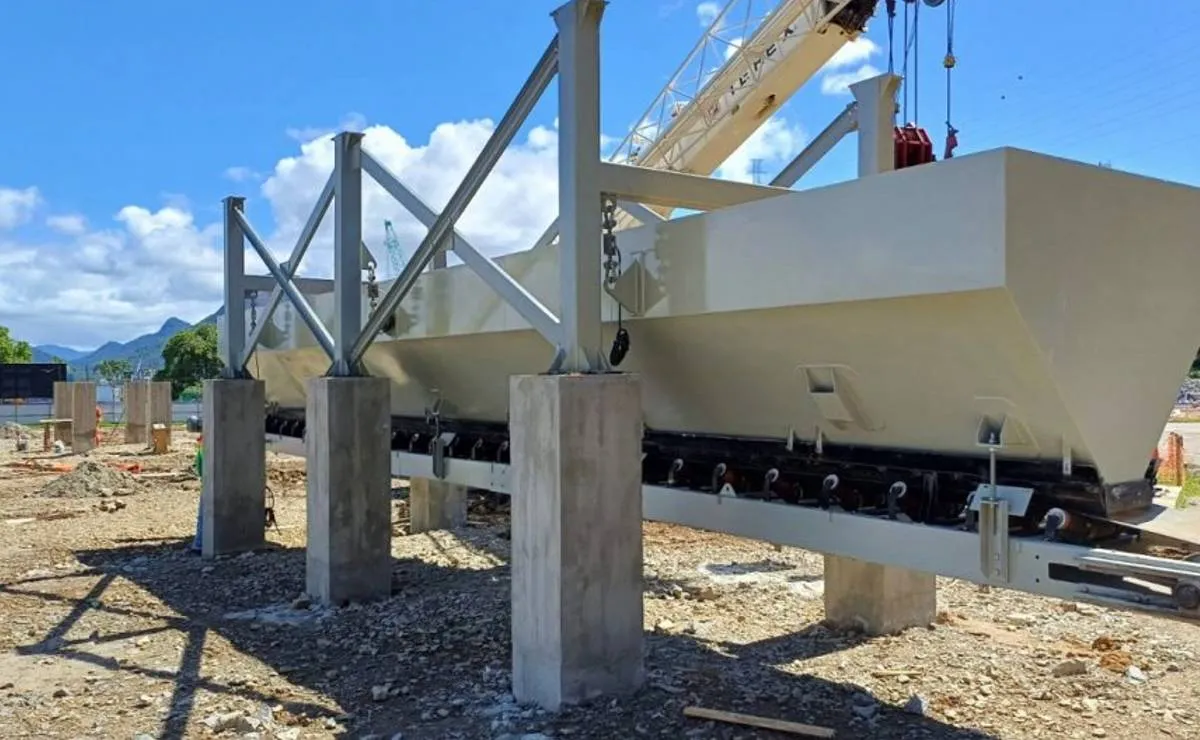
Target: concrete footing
[137,407]
[348,446]
[159,408]
[435,504]
[576,537]
[235,466]
[878,599]
[83,416]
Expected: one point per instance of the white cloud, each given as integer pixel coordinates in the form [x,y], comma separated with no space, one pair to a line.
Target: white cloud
[858,51]
[733,47]
[351,122]
[89,283]
[17,206]
[838,83]
[775,143]
[706,13]
[241,174]
[838,73]
[71,224]
[84,286]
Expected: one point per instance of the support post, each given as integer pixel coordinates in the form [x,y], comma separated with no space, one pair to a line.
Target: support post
[234,479]
[579,217]
[879,599]
[161,409]
[83,416]
[137,407]
[347,250]
[876,114]
[577,537]
[347,445]
[62,409]
[435,504]
[234,341]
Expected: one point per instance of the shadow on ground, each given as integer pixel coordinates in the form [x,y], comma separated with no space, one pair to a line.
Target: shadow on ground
[441,647]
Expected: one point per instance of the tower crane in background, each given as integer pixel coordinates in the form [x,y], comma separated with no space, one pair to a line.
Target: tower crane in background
[396,258]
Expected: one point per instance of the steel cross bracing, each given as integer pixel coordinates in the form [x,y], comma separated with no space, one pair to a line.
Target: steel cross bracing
[237,346]
[584,179]
[1110,578]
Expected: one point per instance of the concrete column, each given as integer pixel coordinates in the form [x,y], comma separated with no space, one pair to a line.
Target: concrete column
[160,410]
[61,408]
[348,445]
[62,400]
[576,536]
[435,504]
[878,599]
[137,408]
[233,500]
[83,416]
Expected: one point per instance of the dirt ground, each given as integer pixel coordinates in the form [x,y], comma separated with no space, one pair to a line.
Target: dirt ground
[109,628]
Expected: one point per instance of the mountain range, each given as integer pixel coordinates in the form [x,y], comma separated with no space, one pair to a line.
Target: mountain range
[144,352]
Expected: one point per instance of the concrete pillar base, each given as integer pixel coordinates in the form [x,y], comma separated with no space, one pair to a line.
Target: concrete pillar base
[435,504]
[233,497]
[159,408]
[348,445]
[137,407]
[83,416]
[576,537]
[878,599]
[62,410]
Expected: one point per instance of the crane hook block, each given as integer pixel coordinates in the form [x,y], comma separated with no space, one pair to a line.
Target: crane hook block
[912,145]
[949,61]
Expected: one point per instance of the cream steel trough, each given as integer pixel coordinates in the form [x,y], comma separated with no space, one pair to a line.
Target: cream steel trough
[914,311]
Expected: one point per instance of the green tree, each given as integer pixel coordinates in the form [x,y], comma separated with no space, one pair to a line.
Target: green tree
[57,360]
[12,350]
[114,371]
[190,357]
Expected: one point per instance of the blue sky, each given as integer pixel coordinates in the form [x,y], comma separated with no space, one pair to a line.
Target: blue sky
[132,119]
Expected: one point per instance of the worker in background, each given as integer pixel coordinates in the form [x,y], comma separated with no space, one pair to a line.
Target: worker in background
[198,540]
[99,421]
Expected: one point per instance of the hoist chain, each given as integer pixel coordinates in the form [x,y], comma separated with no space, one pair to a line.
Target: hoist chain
[612,255]
[253,310]
[372,286]
[612,273]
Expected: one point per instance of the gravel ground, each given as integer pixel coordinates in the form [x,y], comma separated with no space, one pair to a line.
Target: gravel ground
[109,629]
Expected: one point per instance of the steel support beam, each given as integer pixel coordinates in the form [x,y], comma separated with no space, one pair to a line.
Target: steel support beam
[527,98]
[640,212]
[1034,564]
[308,286]
[839,128]
[524,302]
[289,288]
[676,189]
[945,551]
[290,268]
[347,251]
[579,216]
[875,98]
[235,296]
